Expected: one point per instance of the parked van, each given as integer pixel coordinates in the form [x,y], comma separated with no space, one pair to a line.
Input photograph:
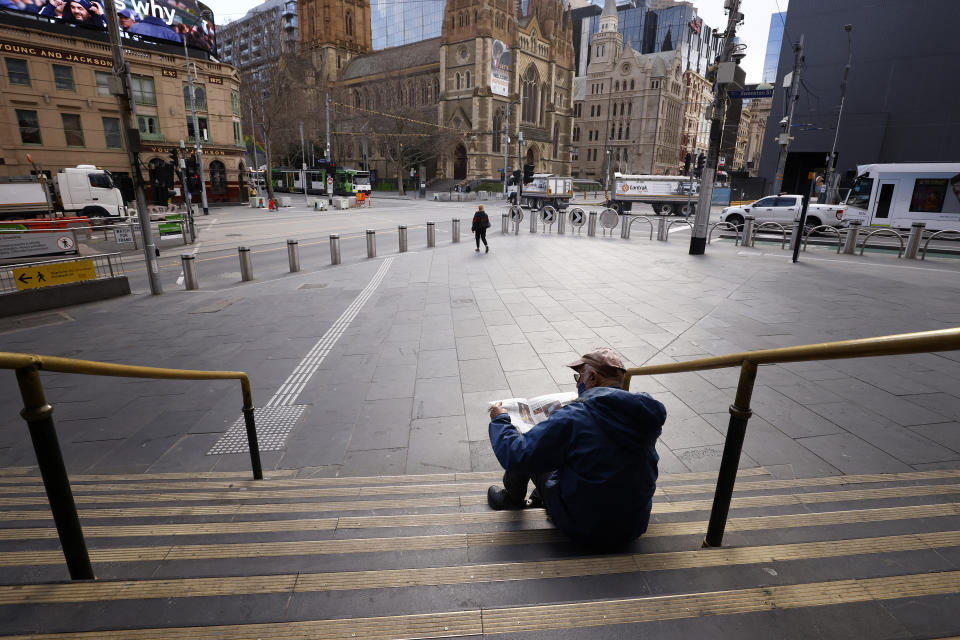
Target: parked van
[896,195]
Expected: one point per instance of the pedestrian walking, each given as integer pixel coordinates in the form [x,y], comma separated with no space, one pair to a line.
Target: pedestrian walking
[479,227]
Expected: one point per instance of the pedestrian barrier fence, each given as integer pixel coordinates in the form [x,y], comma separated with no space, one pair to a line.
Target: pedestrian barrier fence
[105,266]
[725,225]
[821,228]
[38,415]
[884,232]
[938,233]
[740,412]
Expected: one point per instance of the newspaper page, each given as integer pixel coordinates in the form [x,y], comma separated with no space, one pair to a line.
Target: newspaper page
[525,414]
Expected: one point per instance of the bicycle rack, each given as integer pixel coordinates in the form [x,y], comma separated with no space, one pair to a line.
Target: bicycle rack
[726,225]
[825,227]
[677,222]
[627,223]
[923,256]
[770,225]
[889,232]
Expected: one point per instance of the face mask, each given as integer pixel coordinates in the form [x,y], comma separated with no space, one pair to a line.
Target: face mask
[581,387]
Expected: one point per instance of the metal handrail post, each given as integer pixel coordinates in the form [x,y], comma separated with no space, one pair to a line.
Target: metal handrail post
[733,445]
[252,443]
[38,415]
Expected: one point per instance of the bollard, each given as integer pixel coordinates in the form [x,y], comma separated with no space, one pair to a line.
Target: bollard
[662,228]
[592,223]
[293,255]
[747,231]
[371,243]
[188,262]
[246,264]
[455,230]
[505,223]
[850,243]
[913,242]
[561,222]
[625,226]
[431,236]
[533,219]
[402,232]
[334,248]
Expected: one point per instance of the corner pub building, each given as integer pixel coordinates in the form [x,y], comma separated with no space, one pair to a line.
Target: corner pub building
[55,104]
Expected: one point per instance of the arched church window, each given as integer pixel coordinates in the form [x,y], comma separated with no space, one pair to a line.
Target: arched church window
[458,79]
[498,130]
[349,23]
[468,79]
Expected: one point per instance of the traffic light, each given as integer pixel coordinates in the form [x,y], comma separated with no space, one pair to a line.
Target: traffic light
[193,174]
[686,164]
[527,173]
[174,159]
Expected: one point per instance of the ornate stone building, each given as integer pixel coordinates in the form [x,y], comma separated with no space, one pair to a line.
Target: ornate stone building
[489,61]
[628,106]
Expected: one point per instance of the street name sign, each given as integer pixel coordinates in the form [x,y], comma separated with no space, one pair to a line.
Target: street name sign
[49,275]
[751,93]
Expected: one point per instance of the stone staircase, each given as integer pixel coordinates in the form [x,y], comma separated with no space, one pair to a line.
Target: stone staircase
[216,555]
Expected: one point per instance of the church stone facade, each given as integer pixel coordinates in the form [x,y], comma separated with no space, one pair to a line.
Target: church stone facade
[490,61]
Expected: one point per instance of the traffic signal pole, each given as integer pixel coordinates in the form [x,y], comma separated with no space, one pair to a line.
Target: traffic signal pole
[698,239]
[123,89]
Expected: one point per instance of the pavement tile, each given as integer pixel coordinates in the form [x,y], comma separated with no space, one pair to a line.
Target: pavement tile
[475,407]
[476,347]
[549,341]
[437,363]
[707,458]
[792,418]
[507,334]
[945,404]
[392,382]
[532,382]
[481,375]
[374,462]
[944,433]
[382,424]
[689,431]
[852,455]
[896,408]
[437,397]
[438,445]
[516,357]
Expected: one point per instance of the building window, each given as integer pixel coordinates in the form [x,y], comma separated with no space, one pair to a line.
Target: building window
[349,23]
[63,78]
[235,103]
[72,129]
[458,80]
[204,131]
[17,71]
[468,79]
[199,97]
[556,140]
[612,131]
[29,127]
[237,137]
[620,132]
[103,82]
[218,177]
[630,109]
[616,86]
[576,134]
[111,132]
[628,131]
[149,127]
[497,130]
[598,110]
[143,91]
[631,85]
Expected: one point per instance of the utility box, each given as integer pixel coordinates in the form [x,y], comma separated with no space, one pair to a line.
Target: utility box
[341,203]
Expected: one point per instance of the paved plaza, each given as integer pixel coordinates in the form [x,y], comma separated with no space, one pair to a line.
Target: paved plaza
[406,350]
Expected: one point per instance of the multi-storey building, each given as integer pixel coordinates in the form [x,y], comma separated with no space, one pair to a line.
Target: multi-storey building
[774,41]
[56,105]
[254,40]
[629,107]
[490,60]
[756,114]
[697,97]
[394,23]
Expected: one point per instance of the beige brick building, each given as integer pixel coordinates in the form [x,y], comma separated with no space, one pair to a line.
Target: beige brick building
[56,106]
[629,107]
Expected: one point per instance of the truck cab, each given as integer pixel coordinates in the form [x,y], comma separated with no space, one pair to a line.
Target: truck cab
[88,191]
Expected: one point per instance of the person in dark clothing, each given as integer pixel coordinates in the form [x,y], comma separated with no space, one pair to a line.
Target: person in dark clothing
[479,227]
[593,462]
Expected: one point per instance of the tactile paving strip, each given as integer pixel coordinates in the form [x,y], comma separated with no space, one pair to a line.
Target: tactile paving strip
[274,424]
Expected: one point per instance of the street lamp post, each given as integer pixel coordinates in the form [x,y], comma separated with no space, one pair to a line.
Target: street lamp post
[830,183]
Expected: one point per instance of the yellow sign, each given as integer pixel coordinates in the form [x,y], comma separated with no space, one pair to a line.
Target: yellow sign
[48,275]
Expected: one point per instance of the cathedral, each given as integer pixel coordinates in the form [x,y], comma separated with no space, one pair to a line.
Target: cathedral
[494,69]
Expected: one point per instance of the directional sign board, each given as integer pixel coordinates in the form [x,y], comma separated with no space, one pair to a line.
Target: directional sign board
[755,93]
[49,275]
[516,213]
[577,217]
[548,215]
[23,245]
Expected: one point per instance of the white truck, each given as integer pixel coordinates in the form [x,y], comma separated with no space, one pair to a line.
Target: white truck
[546,189]
[668,195]
[784,209]
[83,190]
[898,194]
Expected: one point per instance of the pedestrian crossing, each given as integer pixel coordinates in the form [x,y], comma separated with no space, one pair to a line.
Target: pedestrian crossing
[221,556]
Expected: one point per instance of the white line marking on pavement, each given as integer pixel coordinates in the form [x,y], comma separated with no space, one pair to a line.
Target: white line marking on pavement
[297,380]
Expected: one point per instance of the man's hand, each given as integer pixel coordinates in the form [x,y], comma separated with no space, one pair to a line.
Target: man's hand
[497,410]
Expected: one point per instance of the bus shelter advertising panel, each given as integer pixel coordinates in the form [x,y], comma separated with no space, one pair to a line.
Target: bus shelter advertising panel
[499,69]
[172,20]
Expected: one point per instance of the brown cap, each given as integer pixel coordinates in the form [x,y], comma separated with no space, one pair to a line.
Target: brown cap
[603,360]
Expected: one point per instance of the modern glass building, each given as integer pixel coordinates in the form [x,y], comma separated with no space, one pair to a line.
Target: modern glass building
[656,30]
[398,22]
[774,40]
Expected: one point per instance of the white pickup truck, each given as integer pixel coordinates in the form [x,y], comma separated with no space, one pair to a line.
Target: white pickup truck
[784,209]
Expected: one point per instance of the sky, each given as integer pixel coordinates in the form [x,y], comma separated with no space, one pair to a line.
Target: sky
[753,32]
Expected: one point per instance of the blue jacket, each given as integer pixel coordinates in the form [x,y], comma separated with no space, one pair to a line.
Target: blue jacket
[601,448]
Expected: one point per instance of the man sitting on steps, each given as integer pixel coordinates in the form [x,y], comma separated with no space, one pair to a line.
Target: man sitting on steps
[593,462]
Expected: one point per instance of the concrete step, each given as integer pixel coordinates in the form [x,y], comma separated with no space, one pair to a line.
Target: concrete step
[219,555]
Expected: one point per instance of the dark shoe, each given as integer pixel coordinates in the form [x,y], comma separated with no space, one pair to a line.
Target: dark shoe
[488,248]
[477,249]
[536,500]
[498,499]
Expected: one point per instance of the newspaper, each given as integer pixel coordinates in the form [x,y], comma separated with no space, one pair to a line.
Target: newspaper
[525,414]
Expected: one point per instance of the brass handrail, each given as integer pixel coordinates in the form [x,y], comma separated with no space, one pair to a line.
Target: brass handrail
[748,361]
[38,415]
